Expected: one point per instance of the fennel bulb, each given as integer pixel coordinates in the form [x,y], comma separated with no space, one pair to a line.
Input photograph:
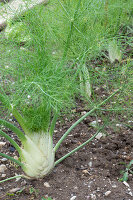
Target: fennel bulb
[38,155]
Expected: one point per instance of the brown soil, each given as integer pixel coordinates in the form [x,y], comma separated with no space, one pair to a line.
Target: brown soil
[90,173]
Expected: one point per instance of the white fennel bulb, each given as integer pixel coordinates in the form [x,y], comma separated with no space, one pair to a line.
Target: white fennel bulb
[38,155]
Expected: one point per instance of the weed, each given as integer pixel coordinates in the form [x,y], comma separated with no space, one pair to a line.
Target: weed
[127,171]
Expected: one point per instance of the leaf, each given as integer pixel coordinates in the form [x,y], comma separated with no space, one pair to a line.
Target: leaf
[125,177]
[131,163]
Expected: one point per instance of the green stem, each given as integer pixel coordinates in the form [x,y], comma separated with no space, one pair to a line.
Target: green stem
[12,159]
[11,141]
[53,124]
[7,179]
[19,118]
[81,119]
[77,148]
[5,101]
[19,133]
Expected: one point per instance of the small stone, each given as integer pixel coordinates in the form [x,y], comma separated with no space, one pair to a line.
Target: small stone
[73,198]
[16,157]
[126,184]
[94,124]
[83,113]
[114,186]
[14,190]
[131,194]
[107,193]
[23,183]
[85,171]
[119,125]
[2,168]
[98,189]
[12,149]
[4,159]
[2,144]
[99,135]
[46,184]
[93,196]
[3,175]
[90,164]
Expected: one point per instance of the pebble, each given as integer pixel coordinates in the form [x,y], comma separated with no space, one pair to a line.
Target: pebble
[114,186]
[90,164]
[99,135]
[2,168]
[98,189]
[94,124]
[131,194]
[16,157]
[2,144]
[73,198]
[119,125]
[85,171]
[12,149]
[83,113]
[4,159]
[23,183]
[126,184]
[3,175]
[46,184]
[107,193]
[14,190]
[93,196]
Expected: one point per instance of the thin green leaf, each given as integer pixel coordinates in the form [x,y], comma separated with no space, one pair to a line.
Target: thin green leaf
[12,159]
[11,141]
[19,133]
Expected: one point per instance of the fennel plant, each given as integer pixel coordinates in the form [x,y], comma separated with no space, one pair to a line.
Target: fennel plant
[37,152]
[40,84]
